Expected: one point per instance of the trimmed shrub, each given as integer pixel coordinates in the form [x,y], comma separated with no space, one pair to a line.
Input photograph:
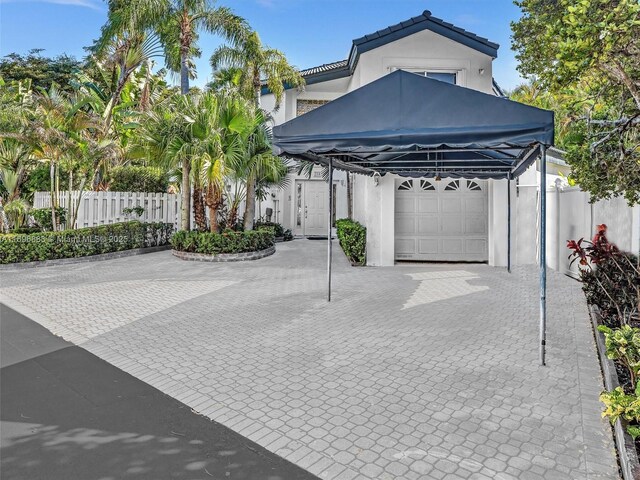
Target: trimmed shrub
[42,217]
[18,248]
[138,179]
[229,241]
[353,240]
[277,228]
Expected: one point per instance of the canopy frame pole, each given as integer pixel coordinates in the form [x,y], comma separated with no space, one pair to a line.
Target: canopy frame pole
[543,255]
[330,215]
[509,223]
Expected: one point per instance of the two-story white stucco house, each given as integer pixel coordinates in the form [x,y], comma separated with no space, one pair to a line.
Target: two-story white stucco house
[409,219]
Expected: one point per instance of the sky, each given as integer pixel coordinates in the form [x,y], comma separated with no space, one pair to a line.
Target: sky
[309,32]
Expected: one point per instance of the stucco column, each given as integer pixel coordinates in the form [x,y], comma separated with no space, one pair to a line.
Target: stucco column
[380,221]
[498,227]
[387,217]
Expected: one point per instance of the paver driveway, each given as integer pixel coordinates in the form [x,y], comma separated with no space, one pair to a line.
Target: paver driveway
[417,371]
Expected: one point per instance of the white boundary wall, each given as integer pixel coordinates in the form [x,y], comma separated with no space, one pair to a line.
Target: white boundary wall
[572,217]
[100,208]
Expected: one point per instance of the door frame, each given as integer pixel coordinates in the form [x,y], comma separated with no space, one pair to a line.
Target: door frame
[301,203]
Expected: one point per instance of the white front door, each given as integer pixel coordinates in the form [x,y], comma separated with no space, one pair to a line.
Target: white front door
[444,220]
[311,208]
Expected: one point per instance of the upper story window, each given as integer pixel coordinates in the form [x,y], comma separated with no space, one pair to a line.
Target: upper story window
[448,77]
[304,106]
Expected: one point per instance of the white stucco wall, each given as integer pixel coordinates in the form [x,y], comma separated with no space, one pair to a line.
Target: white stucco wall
[374,205]
[429,51]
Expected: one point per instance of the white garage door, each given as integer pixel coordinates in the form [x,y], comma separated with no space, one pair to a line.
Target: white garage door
[442,220]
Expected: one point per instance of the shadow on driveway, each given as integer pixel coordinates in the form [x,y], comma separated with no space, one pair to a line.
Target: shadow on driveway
[66,414]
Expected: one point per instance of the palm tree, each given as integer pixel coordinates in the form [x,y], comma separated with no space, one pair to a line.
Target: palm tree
[178,24]
[257,62]
[234,125]
[259,164]
[186,128]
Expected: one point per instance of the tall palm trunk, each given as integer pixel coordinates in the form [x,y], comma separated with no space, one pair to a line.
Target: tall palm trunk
[199,215]
[185,191]
[213,199]
[186,163]
[250,204]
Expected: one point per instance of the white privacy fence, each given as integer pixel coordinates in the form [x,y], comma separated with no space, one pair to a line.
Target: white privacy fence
[100,208]
[571,217]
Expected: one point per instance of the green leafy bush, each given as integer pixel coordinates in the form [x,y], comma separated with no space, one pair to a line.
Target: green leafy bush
[353,240]
[229,241]
[138,179]
[619,404]
[278,229]
[17,248]
[42,217]
[610,278]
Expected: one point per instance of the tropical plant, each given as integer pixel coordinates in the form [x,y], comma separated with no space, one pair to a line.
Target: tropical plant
[610,278]
[251,63]
[178,24]
[621,405]
[260,168]
[586,55]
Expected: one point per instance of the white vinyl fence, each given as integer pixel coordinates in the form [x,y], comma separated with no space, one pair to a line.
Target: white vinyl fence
[572,217]
[100,208]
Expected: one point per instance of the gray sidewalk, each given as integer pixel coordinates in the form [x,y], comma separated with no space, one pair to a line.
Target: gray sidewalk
[416,372]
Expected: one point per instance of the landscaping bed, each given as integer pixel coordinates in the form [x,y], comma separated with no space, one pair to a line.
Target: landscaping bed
[611,283]
[84,242]
[226,246]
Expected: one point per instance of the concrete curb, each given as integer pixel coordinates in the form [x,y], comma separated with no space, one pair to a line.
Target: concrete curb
[90,258]
[224,257]
[625,446]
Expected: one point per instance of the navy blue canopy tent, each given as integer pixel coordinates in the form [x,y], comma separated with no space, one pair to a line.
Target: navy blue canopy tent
[416,126]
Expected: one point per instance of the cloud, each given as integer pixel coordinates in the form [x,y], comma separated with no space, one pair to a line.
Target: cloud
[92,4]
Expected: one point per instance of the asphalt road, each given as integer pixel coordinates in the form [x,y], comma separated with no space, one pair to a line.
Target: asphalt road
[66,414]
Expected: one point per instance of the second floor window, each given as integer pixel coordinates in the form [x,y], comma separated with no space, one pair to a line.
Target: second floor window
[448,77]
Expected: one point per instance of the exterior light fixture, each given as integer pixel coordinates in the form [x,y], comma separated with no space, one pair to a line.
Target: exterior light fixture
[438,178]
[376,179]
[481,71]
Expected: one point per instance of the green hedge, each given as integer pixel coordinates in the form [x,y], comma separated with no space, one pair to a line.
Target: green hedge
[18,248]
[353,240]
[227,242]
[138,179]
[277,228]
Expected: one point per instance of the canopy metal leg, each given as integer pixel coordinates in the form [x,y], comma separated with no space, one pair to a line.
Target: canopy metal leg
[329,230]
[509,224]
[543,254]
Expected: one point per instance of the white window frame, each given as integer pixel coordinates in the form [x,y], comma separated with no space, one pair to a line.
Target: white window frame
[460,73]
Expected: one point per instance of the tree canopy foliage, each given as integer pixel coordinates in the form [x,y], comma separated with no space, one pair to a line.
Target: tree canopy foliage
[583,59]
[41,71]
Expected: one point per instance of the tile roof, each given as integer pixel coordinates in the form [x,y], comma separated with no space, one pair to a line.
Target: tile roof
[425,21]
[327,67]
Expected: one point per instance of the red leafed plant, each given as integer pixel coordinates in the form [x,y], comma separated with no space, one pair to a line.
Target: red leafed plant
[610,278]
